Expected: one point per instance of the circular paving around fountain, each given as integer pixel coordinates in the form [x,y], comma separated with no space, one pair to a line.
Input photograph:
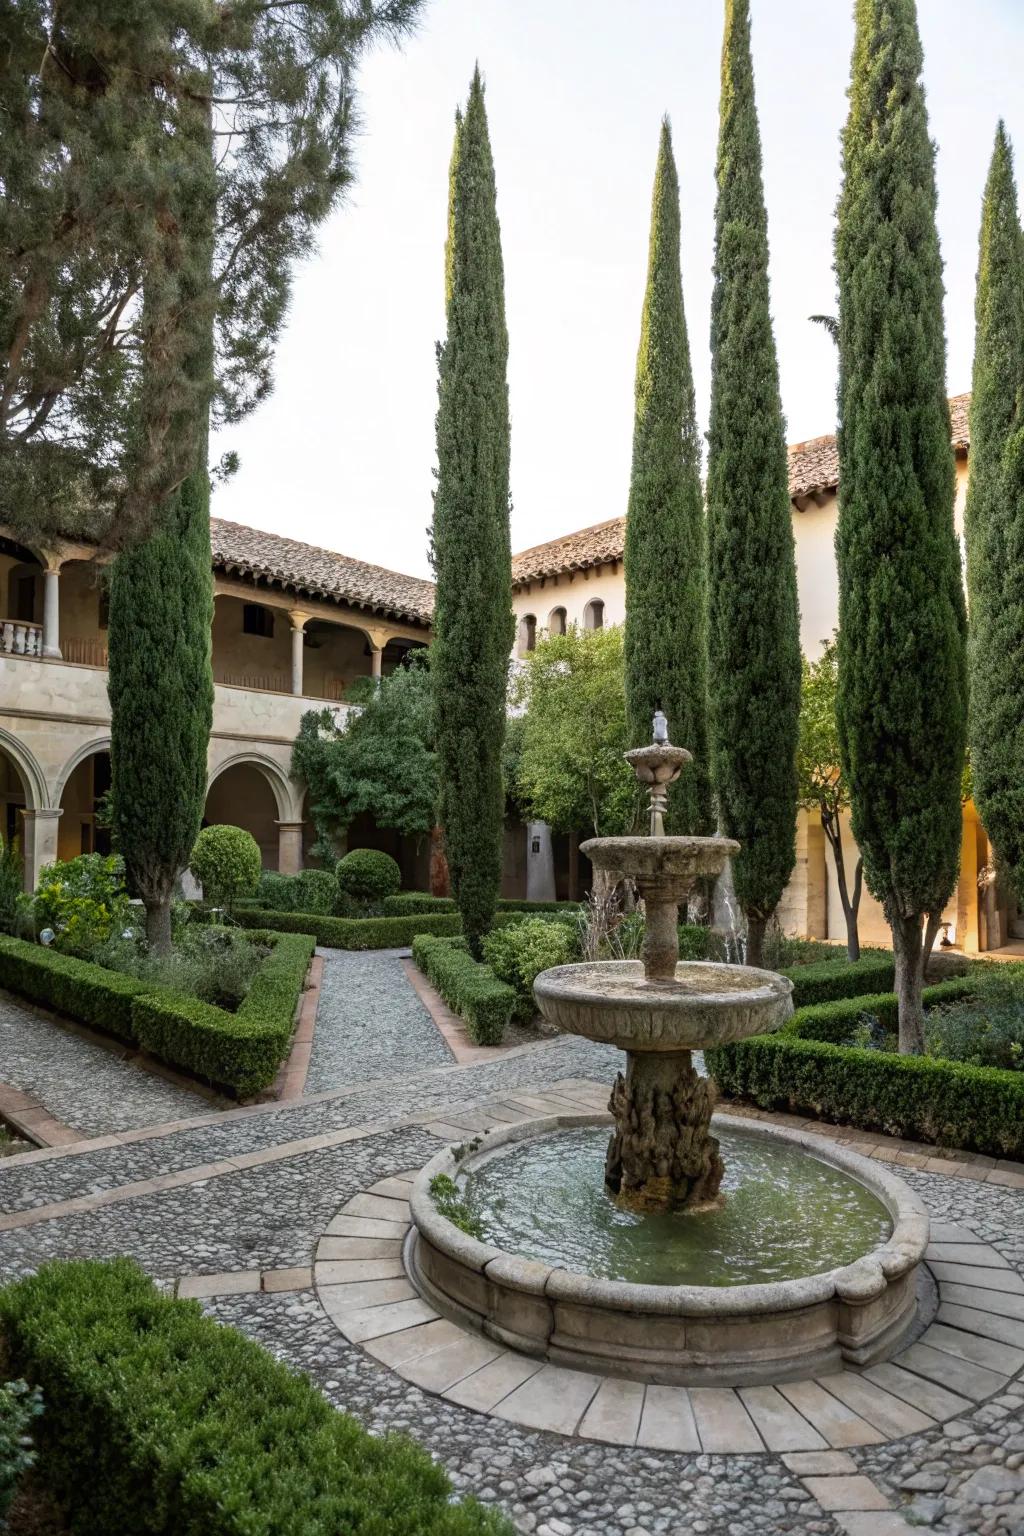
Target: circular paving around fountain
[951,1361]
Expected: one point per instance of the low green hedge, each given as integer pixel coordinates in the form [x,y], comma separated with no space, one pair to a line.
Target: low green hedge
[470,989]
[407,903]
[90,993]
[238,1051]
[365,932]
[160,1422]
[831,979]
[806,1068]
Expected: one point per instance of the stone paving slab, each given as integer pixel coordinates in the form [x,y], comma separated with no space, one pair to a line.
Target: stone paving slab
[722,1421]
[444,1368]
[485,1389]
[839,1425]
[989,1324]
[969,1380]
[667,1422]
[973,1274]
[778,1423]
[614,1413]
[554,1399]
[854,1492]
[931,1398]
[998,1303]
[994,1356]
[894,1416]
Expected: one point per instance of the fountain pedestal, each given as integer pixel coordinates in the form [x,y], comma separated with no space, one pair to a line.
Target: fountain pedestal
[662,1155]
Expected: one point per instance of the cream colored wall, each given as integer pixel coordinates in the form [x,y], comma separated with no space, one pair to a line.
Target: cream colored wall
[573,591]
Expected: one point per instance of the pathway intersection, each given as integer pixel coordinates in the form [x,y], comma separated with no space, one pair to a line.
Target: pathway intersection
[257,1210]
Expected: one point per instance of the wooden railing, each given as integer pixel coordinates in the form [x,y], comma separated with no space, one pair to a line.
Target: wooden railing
[260,682]
[84,650]
[20,639]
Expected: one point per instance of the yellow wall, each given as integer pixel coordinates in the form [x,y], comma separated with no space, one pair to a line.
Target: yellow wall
[572,591]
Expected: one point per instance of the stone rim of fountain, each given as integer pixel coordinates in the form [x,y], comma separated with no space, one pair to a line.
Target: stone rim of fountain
[727,1335]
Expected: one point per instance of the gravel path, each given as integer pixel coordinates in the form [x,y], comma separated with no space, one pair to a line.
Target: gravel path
[369,1023]
[83,1084]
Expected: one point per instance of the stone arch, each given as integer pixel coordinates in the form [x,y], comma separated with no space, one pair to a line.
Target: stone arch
[77,793]
[29,771]
[80,754]
[284,792]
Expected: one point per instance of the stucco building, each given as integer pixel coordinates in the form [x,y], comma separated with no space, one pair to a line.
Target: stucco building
[293,627]
[579,579]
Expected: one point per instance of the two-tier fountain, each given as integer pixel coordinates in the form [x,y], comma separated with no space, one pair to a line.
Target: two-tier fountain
[784,1258]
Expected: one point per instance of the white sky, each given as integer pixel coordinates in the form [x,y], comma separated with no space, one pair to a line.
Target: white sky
[342,454]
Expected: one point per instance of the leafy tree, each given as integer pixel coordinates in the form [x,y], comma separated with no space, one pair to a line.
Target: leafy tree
[97,101]
[379,762]
[902,697]
[666,633]
[473,621]
[572,699]
[753,627]
[820,783]
[994,522]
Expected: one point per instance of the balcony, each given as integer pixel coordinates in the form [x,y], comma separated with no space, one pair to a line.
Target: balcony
[19,638]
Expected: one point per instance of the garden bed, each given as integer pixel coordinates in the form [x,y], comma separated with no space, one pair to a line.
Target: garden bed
[156,1418]
[239,1052]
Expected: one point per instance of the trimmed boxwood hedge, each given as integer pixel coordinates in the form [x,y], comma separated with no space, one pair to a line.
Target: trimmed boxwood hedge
[160,1422]
[805,1068]
[470,989]
[238,1051]
[408,902]
[831,979]
[364,932]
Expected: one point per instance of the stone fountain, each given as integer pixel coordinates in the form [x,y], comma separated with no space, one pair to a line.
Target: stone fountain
[783,1259]
[662,1155]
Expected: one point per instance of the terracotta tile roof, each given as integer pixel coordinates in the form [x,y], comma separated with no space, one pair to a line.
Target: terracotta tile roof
[813,468]
[320,572]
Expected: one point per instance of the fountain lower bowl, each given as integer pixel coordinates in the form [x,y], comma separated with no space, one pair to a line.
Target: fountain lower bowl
[858,1311]
[707,1004]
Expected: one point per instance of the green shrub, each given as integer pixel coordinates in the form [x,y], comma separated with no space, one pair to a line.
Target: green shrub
[695,943]
[986,1027]
[518,952]
[316,890]
[837,1021]
[416,903]
[89,993]
[470,989]
[825,980]
[916,1097]
[11,887]
[226,862]
[278,892]
[161,1422]
[216,965]
[238,1051]
[368,875]
[83,901]
[18,1407]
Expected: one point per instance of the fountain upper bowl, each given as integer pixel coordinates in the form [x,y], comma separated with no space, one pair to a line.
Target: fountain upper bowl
[678,859]
[707,1004]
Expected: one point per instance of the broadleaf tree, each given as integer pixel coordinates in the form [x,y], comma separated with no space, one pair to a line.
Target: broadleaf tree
[821,786]
[97,99]
[666,631]
[994,522]
[753,620]
[470,547]
[902,696]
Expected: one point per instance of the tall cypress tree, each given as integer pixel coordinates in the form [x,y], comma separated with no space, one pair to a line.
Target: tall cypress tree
[902,698]
[666,630]
[473,622]
[161,600]
[994,521]
[753,621]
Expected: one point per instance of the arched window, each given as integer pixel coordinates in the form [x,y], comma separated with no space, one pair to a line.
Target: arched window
[556,621]
[593,614]
[527,633]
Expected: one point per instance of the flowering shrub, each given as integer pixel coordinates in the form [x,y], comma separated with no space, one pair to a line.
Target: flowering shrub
[83,901]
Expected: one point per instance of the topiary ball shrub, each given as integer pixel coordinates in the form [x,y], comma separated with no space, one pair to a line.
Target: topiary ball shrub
[316,890]
[368,875]
[226,862]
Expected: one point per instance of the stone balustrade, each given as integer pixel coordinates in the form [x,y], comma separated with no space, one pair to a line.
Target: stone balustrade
[18,638]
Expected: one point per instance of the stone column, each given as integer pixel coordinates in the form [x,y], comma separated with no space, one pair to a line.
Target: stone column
[39,842]
[298,623]
[289,847]
[51,612]
[376,662]
[540,862]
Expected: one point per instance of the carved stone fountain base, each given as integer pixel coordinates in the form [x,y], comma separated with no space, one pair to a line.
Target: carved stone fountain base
[662,1156]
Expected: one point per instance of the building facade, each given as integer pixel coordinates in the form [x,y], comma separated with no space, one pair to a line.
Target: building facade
[293,627]
[580,579]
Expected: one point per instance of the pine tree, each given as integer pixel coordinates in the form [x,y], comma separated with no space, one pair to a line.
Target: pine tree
[753,622]
[666,632]
[473,622]
[902,697]
[161,611]
[994,521]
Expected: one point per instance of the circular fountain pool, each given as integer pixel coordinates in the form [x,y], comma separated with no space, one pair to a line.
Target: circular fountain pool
[786,1214]
[811,1261]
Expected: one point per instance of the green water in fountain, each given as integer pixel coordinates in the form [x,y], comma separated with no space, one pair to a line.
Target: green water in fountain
[786,1214]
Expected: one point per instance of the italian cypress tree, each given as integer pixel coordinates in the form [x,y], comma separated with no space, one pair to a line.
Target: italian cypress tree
[666,637]
[161,607]
[753,622]
[473,622]
[902,694]
[994,522]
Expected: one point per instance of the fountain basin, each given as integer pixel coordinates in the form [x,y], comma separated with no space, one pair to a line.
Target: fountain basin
[859,1311]
[680,860]
[707,1004]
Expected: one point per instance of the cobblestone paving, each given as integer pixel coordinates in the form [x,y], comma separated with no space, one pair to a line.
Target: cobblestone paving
[369,1022]
[83,1084]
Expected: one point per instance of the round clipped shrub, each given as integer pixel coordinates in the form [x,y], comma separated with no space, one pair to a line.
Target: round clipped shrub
[316,890]
[368,875]
[226,862]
